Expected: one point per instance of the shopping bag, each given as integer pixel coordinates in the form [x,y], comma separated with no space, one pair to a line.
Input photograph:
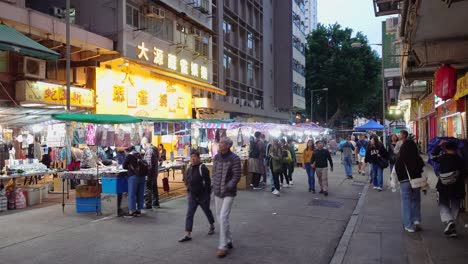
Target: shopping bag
[393,181]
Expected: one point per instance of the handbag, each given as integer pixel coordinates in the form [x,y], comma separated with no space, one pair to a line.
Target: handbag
[165,182]
[418,182]
[382,163]
[449,177]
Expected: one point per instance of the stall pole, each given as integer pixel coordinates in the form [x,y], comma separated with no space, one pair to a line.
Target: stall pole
[63,195]
[68,51]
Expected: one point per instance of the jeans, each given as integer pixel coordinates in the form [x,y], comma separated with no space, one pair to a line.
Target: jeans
[223,210]
[290,170]
[193,202]
[410,204]
[448,208]
[151,191]
[310,176]
[136,190]
[284,174]
[348,166]
[377,175]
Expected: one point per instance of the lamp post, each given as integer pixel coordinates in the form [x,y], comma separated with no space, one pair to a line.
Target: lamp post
[312,103]
[360,45]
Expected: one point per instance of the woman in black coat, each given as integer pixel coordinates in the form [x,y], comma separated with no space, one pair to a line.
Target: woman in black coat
[377,156]
[409,161]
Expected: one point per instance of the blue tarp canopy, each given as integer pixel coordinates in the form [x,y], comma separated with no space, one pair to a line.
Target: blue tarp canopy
[371,125]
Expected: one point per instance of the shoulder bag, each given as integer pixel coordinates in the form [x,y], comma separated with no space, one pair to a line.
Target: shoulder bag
[417,182]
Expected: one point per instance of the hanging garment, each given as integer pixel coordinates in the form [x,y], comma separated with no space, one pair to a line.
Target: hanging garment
[99,134]
[110,138]
[119,138]
[91,135]
[79,135]
[211,133]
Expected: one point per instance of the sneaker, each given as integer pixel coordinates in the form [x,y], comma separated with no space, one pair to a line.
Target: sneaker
[409,229]
[129,215]
[417,226]
[379,189]
[287,186]
[321,191]
[291,183]
[449,228]
[251,185]
[229,245]
[452,233]
[325,193]
[185,239]
[349,177]
[276,192]
[221,253]
[375,187]
[138,213]
[211,231]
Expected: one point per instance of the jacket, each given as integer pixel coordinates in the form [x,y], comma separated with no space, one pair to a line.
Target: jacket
[130,163]
[226,174]
[320,158]
[347,149]
[292,150]
[193,178]
[374,153]
[307,156]
[415,168]
[276,155]
[152,157]
[450,163]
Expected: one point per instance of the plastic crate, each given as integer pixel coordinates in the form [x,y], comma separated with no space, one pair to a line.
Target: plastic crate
[114,185]
[87,204]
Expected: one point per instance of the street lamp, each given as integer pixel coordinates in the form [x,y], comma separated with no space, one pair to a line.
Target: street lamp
[312,103]
[360,45]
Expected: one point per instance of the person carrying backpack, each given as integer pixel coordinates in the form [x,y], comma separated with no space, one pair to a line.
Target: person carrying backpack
[137,169]
[198,182]
[451,184]
[361,147]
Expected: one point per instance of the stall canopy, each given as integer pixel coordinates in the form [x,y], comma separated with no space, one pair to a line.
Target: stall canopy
[371,125]
[97,118]
[12,40]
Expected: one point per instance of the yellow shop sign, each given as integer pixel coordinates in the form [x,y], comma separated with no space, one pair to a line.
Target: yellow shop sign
[462,87]
[48,93]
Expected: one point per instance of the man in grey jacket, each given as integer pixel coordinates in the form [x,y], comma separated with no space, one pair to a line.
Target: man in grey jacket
[226,175]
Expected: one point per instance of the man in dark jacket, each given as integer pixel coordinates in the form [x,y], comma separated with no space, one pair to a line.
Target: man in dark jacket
[198,182]
[450,186]
[226,175]
[136,183]
[320,160]
[347,150]
[151,190]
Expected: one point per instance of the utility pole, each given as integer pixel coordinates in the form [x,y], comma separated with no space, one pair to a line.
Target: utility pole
[68,51]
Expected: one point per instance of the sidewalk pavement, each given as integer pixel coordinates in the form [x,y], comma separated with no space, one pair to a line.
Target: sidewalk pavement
[378,235]
[298,227]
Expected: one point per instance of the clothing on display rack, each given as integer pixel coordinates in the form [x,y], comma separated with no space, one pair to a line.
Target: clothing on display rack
[79,135]
[110,139]
[91,134]
[98,136]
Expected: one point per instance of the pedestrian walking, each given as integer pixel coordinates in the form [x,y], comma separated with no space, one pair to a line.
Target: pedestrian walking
[256,156]
[276,165]
[151,189]
[347,150]
[198,183]
[319,161]
[287,160]
[377,156]
[136,182]
[391,151]
[450,185]
[409,165]
[226,175]
[268,163]
[306,159]
[361,147]
[264,150]
[293,163]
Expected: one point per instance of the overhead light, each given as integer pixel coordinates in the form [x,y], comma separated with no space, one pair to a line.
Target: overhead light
[31,104]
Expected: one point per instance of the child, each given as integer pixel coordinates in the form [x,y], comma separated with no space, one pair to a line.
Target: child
[450,186]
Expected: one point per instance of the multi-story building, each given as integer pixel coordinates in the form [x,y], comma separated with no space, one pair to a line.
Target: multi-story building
[259,49]
[312,20]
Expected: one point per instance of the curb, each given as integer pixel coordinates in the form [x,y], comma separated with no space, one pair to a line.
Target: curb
[342,247]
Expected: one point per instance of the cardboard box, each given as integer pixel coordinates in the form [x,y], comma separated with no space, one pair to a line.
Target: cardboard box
[85,191]
[114,204]
[34,196]
[58,185]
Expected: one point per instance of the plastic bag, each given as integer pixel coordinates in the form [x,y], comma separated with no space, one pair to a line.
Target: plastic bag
[393,181]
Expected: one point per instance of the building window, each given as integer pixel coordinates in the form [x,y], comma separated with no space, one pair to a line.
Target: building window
[249,40]
[133,16]
[298,67]
[249,71]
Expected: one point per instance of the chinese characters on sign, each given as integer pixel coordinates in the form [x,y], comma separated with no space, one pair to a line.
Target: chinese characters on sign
[182,65]
[56,94]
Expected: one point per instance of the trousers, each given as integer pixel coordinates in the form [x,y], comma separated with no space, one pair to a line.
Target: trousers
[223,210]
[193,202]
[322,176]
[151,191]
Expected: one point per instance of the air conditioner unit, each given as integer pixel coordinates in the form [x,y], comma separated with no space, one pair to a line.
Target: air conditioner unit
[391,24]
[195,32]
[154,12]
[57,12]
[34,68]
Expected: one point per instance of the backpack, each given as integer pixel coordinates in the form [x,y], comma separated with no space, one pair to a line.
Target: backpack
[199,188]
[362,151]
[142,167]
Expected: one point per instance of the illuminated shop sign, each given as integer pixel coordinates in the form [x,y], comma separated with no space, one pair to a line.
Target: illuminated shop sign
[156,56]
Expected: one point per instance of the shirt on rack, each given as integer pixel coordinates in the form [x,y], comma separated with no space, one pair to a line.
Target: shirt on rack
[79,135]
[110,139]
[91,134]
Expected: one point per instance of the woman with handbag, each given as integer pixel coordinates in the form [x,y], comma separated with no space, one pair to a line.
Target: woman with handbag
[377,156]
[276,164]
[451,184]
[409,167]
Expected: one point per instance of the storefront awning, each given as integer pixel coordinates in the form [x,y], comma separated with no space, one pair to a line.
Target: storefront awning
[169,76]
[12,40]
[97,119]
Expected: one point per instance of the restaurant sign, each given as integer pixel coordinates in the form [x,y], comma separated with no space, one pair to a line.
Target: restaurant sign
[48,93]
[156,56]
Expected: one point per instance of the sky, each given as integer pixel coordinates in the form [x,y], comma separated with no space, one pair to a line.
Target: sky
[355,14]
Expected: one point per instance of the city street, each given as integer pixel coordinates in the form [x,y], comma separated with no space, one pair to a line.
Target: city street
[292,228]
